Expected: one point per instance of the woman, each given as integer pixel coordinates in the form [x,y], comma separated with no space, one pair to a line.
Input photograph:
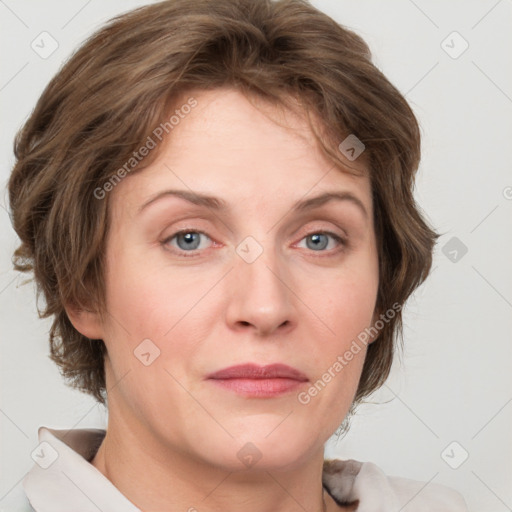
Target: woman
[216,201]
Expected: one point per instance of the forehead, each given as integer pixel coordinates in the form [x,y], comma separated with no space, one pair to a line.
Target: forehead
[242,149]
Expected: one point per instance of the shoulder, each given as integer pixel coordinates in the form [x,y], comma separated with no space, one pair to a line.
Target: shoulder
[350,481]
[427,496]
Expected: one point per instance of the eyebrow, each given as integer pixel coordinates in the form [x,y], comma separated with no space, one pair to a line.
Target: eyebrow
[221,205]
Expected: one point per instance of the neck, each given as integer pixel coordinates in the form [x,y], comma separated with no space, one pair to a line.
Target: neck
[156,477]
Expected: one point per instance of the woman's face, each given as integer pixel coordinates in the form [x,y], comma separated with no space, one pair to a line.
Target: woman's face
[253,278]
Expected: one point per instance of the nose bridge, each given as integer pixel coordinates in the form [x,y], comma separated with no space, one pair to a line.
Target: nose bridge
[261,296]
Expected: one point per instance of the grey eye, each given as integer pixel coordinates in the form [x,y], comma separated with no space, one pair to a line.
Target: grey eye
[318,242]
[186,240]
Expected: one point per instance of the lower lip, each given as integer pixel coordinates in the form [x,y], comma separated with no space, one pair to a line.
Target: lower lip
[259,387]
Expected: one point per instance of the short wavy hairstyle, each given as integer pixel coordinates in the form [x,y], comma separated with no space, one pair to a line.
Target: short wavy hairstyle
[122,83]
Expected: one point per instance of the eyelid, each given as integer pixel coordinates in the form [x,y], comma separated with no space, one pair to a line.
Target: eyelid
[319,226]
[186,230]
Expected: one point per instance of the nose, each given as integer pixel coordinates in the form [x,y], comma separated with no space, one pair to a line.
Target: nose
[262,299]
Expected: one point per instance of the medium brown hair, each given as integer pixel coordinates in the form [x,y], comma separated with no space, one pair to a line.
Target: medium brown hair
[121,84]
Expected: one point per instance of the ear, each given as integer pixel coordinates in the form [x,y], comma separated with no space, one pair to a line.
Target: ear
[374,336]
[87,323]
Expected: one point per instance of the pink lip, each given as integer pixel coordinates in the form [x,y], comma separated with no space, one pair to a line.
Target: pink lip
[259,381]
[254,371]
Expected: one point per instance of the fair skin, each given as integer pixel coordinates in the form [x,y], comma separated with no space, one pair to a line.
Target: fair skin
[173,436]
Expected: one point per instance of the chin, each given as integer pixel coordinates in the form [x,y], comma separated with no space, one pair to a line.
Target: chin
[257,450]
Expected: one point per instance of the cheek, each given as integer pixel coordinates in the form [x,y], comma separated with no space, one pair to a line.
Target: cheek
[345,300]
[148,300]
[345,307]
[138,292]
[350,307]
[145,305]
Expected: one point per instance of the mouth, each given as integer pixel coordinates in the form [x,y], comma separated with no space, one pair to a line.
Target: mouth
[256,381]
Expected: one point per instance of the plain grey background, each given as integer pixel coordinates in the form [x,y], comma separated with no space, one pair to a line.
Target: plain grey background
[445,415]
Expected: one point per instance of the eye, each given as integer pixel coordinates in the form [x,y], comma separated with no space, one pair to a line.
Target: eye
[320,240]
[186,240]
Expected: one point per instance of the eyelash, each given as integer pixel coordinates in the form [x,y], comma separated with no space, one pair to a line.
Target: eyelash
[341,241]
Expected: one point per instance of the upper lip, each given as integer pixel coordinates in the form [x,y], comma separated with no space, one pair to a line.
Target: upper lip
[254,371]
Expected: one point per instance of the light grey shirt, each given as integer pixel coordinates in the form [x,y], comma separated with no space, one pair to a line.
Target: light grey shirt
[63,479]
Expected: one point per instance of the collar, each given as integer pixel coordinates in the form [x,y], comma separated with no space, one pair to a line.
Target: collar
[64,478]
